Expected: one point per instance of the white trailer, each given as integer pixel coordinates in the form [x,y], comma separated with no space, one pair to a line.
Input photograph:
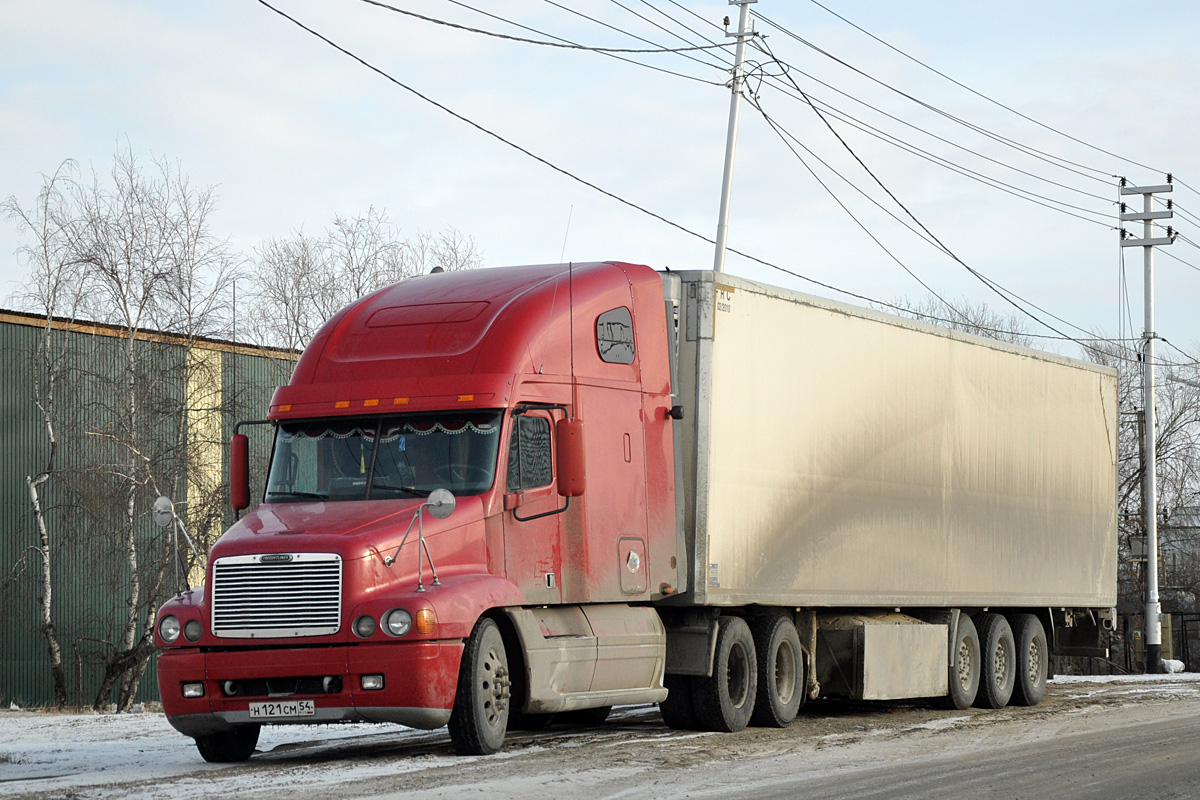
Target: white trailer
[883,482]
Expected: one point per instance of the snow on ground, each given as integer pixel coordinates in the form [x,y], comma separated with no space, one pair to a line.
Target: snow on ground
[41,751]
[97,753]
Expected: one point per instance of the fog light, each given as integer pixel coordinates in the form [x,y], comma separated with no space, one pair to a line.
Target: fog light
[372,682]
[193,690]
[168,629]
[192,630]
[426,621]
[332,684]
[364,626]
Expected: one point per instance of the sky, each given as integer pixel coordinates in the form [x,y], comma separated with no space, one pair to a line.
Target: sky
[291,132]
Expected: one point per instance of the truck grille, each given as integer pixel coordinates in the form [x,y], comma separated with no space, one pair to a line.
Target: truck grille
[293,594]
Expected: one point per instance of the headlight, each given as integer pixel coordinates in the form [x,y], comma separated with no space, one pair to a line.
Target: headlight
[168,629]
[192,630]
[397,622]
[364,626]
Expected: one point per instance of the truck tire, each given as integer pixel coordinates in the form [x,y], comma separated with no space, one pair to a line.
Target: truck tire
[229,746]
[780,671]
[998,662]
[480,716]
[964,666]
[724,700]
[1032,660]
[678,711]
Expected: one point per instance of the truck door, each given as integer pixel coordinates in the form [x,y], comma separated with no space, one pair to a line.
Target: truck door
[532,522]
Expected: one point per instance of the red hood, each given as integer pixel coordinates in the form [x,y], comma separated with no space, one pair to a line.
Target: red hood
[353,529]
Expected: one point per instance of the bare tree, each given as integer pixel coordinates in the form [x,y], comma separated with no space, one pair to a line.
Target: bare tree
[967,317]
[56,289]
[133,249]
[301,280]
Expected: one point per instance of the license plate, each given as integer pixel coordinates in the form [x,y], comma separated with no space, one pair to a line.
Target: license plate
[286,708]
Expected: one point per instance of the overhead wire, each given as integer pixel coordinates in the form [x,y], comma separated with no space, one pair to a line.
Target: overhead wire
[618,30]
[1062,163]
[1008,188]
[915,150]
[616,56]
[981,95]
[1034,197]
[560,44]
[770,122]
[999,290]
[661,218]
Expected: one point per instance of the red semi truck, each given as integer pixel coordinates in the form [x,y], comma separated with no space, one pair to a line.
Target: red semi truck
[499,495]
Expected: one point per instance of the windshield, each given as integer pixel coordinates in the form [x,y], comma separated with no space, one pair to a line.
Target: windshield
[338,459]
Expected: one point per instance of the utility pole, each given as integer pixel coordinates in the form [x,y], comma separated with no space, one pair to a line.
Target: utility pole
[1149,483]
[739,59]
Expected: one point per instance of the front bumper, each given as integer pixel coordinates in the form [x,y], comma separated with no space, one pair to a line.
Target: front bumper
[419,683]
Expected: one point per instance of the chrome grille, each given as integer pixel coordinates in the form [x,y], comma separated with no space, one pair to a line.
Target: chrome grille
[299,596]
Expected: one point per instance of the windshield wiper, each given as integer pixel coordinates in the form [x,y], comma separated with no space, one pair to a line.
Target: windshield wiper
[274,496]
[410,489]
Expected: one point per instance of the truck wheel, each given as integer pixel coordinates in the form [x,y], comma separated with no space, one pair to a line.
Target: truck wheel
[998,663]
[724,701]
[480,716]
[1032,659]
[964,666]
[229,746]
[678,711]
[780,671]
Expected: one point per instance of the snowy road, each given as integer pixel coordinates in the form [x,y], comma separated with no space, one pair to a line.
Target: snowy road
[1087,740]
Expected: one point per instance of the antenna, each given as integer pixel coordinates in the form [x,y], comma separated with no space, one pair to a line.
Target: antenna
[566,233]
[571,333]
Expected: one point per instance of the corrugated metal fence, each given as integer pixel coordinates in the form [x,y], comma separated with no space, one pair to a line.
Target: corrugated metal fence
[190,399]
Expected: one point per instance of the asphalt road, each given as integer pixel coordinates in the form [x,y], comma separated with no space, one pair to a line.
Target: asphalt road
[1086,740]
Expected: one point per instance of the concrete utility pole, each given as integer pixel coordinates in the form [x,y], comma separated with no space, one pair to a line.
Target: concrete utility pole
[1149,483]
[739,59]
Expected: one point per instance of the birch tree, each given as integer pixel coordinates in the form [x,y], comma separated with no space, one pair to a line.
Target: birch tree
[56,289]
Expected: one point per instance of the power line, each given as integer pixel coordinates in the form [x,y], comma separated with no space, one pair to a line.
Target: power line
[995,287]
[617,56]
[618,30]
[966,172]
[915,150]
[1062,163]
[980,94]
[755,103]
[623,201]
[560,44]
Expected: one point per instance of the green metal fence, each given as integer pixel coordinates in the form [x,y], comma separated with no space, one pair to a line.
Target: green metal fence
[190,398]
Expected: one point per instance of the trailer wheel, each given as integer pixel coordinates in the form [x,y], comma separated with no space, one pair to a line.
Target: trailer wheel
[1032,660]
[964,665]
[229,746]
[780,671]
[480,716]
[998,664]
[678,711]
[724,701]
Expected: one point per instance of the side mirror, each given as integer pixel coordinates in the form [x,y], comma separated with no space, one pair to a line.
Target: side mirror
[572,479]
[440,503]
[239,472]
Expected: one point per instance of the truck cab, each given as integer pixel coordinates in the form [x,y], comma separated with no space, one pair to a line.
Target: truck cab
[346,594]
